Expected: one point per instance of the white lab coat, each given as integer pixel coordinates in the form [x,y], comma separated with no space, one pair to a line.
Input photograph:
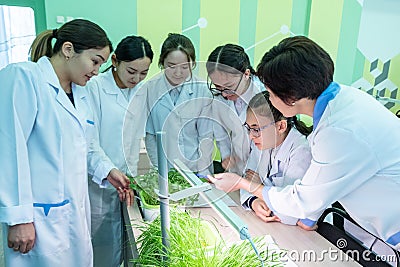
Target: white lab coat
[112,148]
[289,162]
[355,160]
[186,124]
[230,135]
[43,161]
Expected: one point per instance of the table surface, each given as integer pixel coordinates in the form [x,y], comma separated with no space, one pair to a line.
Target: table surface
[304,248]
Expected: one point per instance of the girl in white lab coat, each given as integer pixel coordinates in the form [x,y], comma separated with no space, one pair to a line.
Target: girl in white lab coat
[355,143]
[44,132]
[179,104]
[233,84]
[116,100]
[285,153]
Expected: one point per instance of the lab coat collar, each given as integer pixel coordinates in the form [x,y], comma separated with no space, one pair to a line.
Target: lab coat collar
[284,150]
[50,77]
[49,73]
[185,89]
[323,100]
[110,87]
[250,92]
[254,88]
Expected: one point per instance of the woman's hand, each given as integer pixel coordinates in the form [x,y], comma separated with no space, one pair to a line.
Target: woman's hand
[227,163]
[230,182]
[21,237]
[118,179]
[263,212]
[126,195]
[252,176]
[227,182]
[121,182]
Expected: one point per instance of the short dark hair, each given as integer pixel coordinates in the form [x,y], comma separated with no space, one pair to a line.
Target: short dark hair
[296,68]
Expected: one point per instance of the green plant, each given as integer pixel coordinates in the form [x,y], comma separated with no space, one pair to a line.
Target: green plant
[191,245]
[146,184]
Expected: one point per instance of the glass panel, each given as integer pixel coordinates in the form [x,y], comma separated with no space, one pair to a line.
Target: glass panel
[17,32]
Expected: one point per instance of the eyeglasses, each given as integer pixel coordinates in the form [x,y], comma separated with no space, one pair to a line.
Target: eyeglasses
[256,132]
[218,91]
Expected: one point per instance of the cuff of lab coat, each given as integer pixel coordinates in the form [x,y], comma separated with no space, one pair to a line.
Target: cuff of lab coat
[244,196]
[267,201]
[224,149]
[101,174]
[308,222]
[17,214]
[287,219]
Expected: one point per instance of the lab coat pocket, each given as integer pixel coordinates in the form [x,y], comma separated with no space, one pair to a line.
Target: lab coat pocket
[90,129]
[52,231]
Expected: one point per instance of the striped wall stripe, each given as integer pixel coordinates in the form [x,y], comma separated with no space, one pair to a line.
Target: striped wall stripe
[248,24]
[347,70]
[325,24]
[190,16]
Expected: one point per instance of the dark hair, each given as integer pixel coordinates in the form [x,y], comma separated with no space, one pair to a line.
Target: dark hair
[179,42]
[83,34]
[261,105]
[296,68]
[131,48]
[229,58]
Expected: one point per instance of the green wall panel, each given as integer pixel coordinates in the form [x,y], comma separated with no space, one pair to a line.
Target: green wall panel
[190,17]
[325,22]
[394,71]
[271,15]
[248,24]
[223,24]
[156,20]
[254,24]
[301,17]
[347,50]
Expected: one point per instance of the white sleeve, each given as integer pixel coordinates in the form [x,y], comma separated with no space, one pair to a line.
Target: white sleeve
[341,163]
[99,164]
[222,139]
[206,139]
[18,106]
[151,148]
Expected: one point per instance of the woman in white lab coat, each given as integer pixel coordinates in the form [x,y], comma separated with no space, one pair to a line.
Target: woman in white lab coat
[116,99]
[285,153]
[179,104]
[355,143]
[44,132]
[233,84]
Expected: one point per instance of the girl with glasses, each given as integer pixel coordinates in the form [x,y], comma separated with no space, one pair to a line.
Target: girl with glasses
[355,143]
[285,153]
[179,104]
[117,100]
[233,83]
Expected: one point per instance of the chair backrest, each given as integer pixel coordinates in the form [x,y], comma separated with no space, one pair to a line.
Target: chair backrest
[356,242]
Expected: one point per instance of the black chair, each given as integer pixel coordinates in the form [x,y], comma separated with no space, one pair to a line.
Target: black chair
[353,247]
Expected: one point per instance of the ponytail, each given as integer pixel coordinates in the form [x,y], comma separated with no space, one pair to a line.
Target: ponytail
[261,105]
[41,46]
[299,125]
[83,34]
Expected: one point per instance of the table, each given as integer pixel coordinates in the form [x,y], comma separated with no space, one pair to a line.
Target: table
[304,248]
